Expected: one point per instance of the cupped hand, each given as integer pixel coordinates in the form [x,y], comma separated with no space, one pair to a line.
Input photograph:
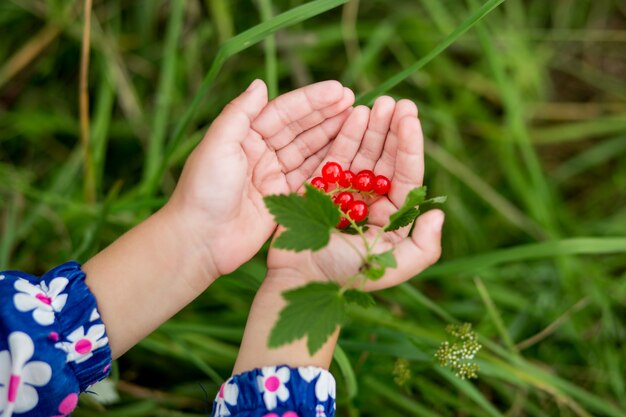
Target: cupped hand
[249,152]
[387,140]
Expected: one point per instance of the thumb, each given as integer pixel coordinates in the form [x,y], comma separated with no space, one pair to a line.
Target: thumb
[416,252]
[427,236]
[234,121]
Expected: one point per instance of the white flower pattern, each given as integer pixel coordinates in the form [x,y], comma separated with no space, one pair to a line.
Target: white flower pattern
[43,299]
[19,377]
[324,387]
[272,385]
[94,315]
[80,346]
[228,395]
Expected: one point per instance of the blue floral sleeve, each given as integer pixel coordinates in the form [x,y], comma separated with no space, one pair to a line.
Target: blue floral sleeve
[277,391]
[53,344]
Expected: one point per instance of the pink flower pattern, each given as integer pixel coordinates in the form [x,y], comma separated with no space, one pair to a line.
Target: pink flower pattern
[34,380]
[80,345]
[272,385]
[228,395]
[19,376]
[43,300]
[68,405]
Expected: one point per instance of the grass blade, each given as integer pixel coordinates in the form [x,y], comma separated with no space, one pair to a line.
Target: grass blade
[495,315]
[388,84]
[237,44]
[165,91]
[345,366]
[271,64]
[542,250]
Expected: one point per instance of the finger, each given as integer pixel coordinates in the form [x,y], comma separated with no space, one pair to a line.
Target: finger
[409,170]
[298,176]
[266,175]
[377,130]
[234,121]
[284,138]
[348,141]
[415,253]
[311,141]
[387,163]
[342,149]
[286,111]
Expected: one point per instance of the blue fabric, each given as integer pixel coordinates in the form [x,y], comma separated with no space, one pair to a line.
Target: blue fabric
[53,344]
[277,392]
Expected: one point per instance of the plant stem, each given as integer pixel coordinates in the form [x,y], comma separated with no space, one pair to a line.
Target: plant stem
[83,97]
[359,230]
[377,237]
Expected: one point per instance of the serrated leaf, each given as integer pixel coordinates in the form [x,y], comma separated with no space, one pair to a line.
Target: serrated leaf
[308,219]
[385,259]
[426,205]
[377,265]
[406,218]
[359,297]
[314,310]
[407,213]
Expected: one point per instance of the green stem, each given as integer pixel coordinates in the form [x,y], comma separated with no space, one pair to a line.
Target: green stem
[359,230]
[348,285]
[377,237]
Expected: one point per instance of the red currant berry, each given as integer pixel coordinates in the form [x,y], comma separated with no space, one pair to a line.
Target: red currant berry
[382,185]
[343,200]
[343,223]
[346,179]
[331,172]
[358,210]
[364,180]
[319,182]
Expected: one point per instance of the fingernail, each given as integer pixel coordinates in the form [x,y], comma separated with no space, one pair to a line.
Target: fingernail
[254,85]
[437,221]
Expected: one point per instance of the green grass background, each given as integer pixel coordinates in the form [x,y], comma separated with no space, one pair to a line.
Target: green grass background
[524,107]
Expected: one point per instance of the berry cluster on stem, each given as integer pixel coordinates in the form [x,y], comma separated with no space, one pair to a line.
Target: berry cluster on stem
[345,187]
[342,185]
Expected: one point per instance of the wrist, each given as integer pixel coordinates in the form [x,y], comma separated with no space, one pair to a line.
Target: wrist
[278,280]
[190,257]
[265,312]
[146,276]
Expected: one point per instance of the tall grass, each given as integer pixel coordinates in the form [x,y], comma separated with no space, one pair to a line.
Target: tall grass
[523,104]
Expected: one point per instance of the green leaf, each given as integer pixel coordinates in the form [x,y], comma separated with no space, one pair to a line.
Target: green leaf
[359,297]
[426,205]
[403,219]
[377,264]
[309,219]
[407,213]
[314,310]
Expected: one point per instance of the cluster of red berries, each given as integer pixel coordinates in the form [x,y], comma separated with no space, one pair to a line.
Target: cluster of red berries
[363,182]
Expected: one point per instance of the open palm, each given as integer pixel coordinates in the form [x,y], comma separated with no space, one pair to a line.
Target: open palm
[247,153]
[388,140]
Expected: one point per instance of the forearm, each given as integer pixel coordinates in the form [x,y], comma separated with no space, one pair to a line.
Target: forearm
[146,276]
[264,312]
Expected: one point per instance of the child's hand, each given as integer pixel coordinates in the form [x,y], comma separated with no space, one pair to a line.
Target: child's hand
[216,219]
[388,140]
[251,150]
